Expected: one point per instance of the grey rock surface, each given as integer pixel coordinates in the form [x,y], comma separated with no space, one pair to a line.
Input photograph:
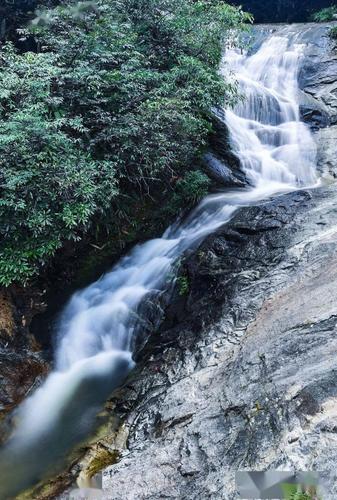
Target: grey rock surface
[248,379]
[220,172]
[326,139]
[220,163]
[318,73]
[242,374]
[21,364]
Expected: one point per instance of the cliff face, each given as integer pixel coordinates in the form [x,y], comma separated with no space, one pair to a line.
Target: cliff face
[243,372]
[257,387]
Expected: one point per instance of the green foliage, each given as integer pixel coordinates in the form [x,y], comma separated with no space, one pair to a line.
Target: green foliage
[183,285]
[302,496]
[297,492]
[193,187]
[189,189]
[325,15]
[51,187]
[112,106]
[333,33]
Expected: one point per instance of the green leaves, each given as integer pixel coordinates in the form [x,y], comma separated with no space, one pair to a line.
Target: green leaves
[333,33]
[325,15]
[114,102]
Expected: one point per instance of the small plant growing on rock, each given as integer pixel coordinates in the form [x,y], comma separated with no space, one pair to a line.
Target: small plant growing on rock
[296,492]
[183,285]
[333,33]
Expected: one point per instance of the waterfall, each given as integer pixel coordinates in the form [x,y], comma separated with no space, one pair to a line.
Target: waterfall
[273,145]
[97,328]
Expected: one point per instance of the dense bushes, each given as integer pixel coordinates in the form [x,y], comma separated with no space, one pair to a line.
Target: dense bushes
[113,105]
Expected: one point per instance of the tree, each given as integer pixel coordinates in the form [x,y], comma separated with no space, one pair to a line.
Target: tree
[114,104]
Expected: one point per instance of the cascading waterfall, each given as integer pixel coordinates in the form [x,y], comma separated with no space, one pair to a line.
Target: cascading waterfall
[97,328]
[273,145]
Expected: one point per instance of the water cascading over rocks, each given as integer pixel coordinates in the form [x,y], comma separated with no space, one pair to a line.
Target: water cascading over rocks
[96,336]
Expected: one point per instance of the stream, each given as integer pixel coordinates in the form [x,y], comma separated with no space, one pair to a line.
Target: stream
[98,328]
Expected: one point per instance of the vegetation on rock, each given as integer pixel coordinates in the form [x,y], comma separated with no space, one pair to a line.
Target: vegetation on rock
[325,15]
[112,106]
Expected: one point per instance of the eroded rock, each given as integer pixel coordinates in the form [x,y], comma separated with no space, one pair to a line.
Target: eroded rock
[318,76]
[242,372]
[248,379]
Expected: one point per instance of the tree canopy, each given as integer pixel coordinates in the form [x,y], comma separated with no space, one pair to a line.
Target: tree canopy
[113,104]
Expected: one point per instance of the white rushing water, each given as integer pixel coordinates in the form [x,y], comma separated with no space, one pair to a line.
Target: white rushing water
[97,329]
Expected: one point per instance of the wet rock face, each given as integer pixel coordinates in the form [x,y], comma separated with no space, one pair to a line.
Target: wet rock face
[248,378]
[242,373]
[327,151]
[18,374]
[21,364]
[318,74]
[220,163]
[318,98]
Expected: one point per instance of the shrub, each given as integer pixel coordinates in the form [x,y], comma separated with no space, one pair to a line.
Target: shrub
[183,285]
[325,15]
[115,102]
